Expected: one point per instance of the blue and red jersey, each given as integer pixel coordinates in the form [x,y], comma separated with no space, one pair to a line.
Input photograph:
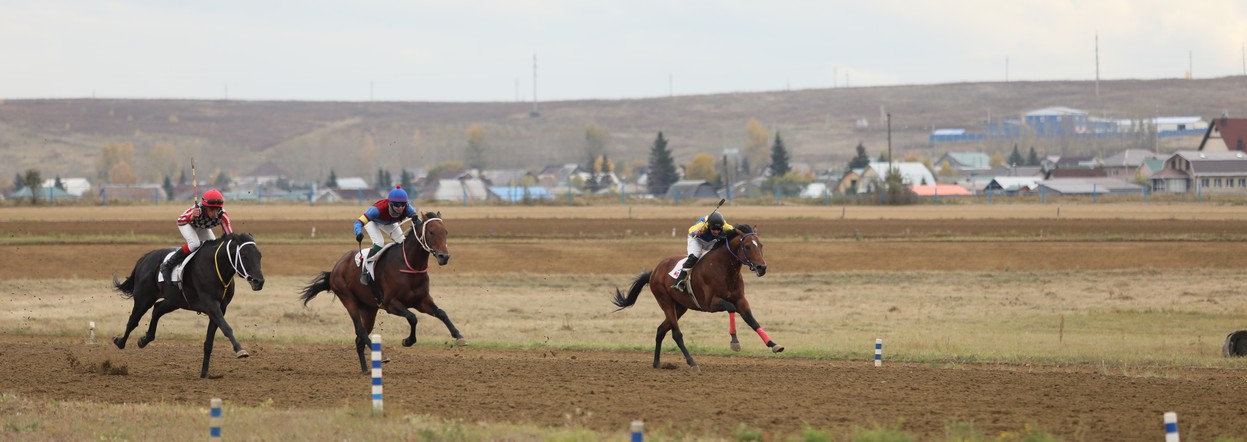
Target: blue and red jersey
[379,213]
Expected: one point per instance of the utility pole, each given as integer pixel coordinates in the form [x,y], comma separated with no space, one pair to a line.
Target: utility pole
[1097,64]
[534,113]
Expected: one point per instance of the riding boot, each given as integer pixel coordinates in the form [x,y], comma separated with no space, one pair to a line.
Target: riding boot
[681,282]
[166,268]
[364,277]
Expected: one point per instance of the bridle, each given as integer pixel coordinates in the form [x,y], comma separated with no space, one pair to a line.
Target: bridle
[420,238]
[234,257]
[742,257]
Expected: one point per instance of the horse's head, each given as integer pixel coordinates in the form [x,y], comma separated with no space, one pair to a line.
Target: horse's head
[747,247]
[244,257]
[431,235]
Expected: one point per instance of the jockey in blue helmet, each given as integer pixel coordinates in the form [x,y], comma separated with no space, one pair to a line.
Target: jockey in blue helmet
[384,216]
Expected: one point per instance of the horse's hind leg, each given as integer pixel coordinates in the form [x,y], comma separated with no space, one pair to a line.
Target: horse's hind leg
[430,308]
[162,306]
[672,324]
[140,309]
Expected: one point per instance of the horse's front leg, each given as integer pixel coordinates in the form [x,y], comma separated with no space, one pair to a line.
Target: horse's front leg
[747,315]
[410,340]
[162,306]
[208,340]
[216,315]
[430,308]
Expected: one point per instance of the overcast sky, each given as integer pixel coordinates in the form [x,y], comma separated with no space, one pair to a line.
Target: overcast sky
[407,50]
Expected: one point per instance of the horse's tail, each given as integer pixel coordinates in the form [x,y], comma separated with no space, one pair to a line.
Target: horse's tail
[318,284]
[126,288]
[624,302]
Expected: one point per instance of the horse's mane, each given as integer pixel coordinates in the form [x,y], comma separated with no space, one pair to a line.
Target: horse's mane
[741,228]
[244,237]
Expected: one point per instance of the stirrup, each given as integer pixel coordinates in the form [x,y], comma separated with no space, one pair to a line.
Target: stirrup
[364,278]
[679,284]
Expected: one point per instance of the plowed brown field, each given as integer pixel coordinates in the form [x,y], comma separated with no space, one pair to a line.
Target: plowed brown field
[541,386]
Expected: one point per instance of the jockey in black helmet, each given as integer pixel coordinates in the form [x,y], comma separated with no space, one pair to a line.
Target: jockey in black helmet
[701,237]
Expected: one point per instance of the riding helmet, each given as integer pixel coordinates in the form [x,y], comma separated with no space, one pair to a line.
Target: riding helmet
[213,198]
[398,195]
[715,221]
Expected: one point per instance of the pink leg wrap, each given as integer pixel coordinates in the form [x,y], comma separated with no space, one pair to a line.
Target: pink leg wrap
[762,334]
[731,321]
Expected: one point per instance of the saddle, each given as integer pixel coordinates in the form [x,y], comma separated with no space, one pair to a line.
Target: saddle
[176,274]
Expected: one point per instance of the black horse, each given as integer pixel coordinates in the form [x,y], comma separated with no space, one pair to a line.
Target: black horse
[207,287]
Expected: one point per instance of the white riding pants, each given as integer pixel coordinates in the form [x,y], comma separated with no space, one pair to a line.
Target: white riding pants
[195,237]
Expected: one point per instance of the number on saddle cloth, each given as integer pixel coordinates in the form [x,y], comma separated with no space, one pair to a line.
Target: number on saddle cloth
[679,265]
[176,275]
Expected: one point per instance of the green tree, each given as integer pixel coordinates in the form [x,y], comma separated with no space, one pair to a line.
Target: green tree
[779,157]
[861,160]
[33,181]
[221,180]
[332,182]
[895,190]
[168,187]
[17,182]
[474,155]
[1015,158]
[182,178]
[1032,159]
[57,183]
[662,172]
[595,144]
[404,179]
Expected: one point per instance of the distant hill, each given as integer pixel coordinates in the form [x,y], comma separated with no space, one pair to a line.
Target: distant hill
[819,126]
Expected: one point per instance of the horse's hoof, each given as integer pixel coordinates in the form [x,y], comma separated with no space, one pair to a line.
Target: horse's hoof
[241,354]
[461,342]
[777,348]
[735,346]
[143,342]
[409,342]
[119,343]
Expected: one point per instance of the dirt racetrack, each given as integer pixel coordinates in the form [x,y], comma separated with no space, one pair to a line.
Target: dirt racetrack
[605,390]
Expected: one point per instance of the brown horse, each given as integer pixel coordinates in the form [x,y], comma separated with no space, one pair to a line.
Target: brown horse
[716,286]
[401,277]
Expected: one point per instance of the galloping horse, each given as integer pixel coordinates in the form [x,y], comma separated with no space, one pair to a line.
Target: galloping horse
[401,277]
[207,287]
[715,283]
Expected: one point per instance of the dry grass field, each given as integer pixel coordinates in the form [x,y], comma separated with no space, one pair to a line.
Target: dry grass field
[1088,325]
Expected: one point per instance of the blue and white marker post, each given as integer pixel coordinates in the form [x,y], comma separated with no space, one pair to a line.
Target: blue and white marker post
[1171,427]
[214,421]
[377,407]
[878,352]
[638,431]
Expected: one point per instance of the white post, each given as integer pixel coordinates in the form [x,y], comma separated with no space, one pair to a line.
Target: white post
[1171,427]
[377,407]
[91,336]
[214,422]
[638,431]
[878,352]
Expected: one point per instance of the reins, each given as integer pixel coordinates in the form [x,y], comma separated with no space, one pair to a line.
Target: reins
[424,232]
[745,260]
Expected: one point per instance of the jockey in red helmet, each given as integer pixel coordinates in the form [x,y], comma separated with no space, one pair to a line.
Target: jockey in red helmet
[196,225]
[701,237]
[383,217]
